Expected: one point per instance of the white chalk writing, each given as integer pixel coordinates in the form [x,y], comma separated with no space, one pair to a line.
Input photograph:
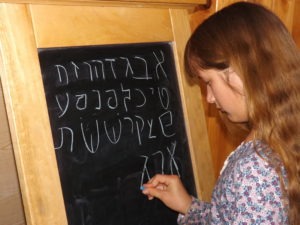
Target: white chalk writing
[170,157]
[115,99]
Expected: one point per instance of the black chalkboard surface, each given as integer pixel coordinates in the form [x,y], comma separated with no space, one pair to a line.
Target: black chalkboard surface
[116,121]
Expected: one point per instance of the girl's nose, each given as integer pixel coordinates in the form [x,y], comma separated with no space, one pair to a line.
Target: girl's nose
[210,98]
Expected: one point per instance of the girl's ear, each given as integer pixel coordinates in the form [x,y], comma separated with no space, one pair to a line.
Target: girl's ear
[235,81]
[230,70]
[226,72]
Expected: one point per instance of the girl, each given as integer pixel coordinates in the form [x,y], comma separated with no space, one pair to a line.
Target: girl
[251,67]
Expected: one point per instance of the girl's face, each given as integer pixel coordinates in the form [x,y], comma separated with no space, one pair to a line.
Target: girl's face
[225,90]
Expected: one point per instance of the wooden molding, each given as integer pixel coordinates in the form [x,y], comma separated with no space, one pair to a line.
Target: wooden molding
[135,3]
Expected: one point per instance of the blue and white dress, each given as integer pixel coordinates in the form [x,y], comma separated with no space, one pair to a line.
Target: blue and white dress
[248,191]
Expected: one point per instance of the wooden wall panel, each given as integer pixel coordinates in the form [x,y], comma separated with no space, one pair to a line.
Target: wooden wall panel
[296,23]
[76,30]
[283,8]
[11,208]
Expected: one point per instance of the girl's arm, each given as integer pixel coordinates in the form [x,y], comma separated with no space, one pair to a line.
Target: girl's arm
[198,213]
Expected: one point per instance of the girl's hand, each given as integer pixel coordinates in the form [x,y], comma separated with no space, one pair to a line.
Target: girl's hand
[170,190]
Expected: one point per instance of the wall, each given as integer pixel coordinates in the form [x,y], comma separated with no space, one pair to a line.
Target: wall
[11,209]
[296,23]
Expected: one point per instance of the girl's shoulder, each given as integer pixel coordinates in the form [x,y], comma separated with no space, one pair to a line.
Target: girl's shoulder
[256,152]
[254,159]
[245,154]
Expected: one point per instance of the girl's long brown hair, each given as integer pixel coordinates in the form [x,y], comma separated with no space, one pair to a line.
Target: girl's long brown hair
[257,45]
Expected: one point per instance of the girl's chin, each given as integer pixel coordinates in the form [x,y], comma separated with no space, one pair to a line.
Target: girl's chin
[232,118]
[235,120]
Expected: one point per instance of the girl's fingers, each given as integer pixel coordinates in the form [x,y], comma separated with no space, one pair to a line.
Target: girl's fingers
[159,180]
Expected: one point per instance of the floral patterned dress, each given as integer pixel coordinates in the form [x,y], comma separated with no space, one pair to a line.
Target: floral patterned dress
[248,191]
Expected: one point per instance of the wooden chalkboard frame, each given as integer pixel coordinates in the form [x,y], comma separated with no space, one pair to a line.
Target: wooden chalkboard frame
[116,119]
[27,110]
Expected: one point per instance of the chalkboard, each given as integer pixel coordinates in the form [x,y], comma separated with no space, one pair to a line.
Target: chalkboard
[116,120]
